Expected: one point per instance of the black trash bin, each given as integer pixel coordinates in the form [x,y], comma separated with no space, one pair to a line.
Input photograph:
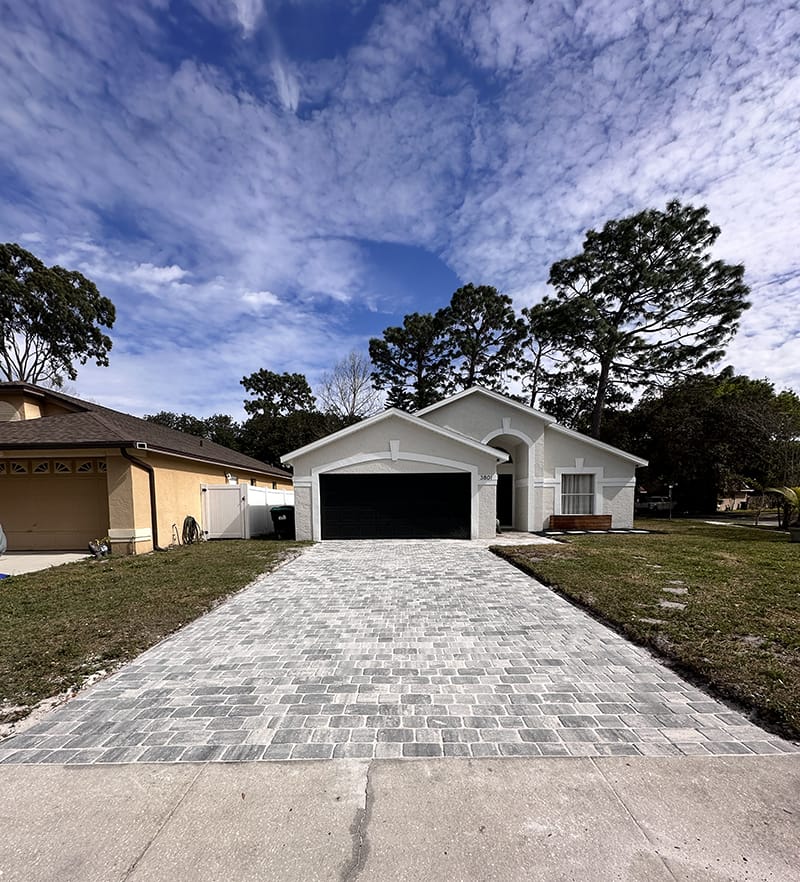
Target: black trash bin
[283,519]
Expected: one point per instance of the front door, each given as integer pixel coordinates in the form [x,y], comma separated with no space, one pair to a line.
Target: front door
[505,500]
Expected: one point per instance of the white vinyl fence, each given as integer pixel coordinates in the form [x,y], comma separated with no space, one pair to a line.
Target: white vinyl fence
[239,511]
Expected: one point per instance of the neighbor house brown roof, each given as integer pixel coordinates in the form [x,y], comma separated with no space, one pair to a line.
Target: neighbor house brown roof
[91,425]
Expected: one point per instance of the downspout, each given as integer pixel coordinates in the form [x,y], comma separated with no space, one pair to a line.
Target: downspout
[151,474]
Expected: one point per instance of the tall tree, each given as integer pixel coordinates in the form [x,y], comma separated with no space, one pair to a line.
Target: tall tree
[219,428]
[710,433]
[347,391]
[644,302]
[538,357]
[50,319]
[268,438]
[411,363]
[277,394]
[283,416]
[482,336]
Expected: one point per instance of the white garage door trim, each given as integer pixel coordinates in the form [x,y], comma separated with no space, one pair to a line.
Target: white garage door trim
[316,506]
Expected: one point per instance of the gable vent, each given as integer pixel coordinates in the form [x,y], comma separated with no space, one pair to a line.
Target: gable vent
[8,413]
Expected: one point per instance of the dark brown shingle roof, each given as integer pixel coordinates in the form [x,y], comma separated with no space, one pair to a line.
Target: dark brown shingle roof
[91,425]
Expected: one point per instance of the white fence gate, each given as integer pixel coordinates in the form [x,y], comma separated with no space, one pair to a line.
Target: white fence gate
[239,511]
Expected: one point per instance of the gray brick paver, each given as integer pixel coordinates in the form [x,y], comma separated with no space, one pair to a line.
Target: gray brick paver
[390,649]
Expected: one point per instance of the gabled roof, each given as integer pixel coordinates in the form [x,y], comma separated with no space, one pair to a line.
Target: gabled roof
[556,427]
[91,425]
[550,421]
[402,415]
[489,393]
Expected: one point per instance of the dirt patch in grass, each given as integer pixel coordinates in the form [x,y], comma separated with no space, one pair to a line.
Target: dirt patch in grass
[739,632]
[62,626]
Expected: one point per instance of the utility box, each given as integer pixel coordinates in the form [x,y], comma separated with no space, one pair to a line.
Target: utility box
[240,511]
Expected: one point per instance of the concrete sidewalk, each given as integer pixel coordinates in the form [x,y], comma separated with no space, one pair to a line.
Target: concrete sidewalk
[15,563]
[638,819]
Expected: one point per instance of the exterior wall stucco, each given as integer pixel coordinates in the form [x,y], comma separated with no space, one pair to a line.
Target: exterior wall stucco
[129,527]
[303,523]
[479,415]
[561,451]
[178,489]
[64,511]
[387,467]
[393,446]
[487,510]
[502,425]
[539,456]
[375,439]
[619,502]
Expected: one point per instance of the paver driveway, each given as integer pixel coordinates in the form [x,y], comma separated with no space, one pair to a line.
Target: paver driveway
[390,649]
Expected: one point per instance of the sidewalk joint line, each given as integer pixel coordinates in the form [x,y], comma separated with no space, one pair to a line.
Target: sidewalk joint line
[630,814]
[170,814]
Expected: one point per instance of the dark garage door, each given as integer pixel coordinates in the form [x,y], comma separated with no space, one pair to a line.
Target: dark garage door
[416,506]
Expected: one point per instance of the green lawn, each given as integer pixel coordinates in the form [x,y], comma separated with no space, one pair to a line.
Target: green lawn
[740,629]
[60,626]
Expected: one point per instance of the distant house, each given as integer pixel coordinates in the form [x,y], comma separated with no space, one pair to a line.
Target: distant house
[455,470]
[71,471]
[734,499]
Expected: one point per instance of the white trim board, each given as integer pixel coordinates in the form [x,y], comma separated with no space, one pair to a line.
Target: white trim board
[316,500]
[393,413]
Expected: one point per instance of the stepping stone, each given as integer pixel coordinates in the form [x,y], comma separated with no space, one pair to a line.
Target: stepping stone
[652,621]
[675,582]
[675,590]
[671,604]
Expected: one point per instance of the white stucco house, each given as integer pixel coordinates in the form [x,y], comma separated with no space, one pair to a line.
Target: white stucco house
[456,468]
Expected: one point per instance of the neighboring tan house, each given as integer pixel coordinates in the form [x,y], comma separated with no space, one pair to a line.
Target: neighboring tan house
[72,471]
[734,499]
[455,470]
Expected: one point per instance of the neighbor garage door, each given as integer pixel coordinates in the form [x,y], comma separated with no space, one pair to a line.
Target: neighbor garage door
[53,505]
[415,506]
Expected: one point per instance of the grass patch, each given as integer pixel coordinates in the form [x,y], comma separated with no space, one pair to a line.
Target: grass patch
[62,625]
[740,630]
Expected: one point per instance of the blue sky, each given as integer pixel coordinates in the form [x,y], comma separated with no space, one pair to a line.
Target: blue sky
[268,184]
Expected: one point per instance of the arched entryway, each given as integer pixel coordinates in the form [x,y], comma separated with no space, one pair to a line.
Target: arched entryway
[505,490]
[513,490]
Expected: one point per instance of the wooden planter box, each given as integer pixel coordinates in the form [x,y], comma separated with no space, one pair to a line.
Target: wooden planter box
[580,522]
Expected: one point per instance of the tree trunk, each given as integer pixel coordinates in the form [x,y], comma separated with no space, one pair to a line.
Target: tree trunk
[537,366]
[600,397]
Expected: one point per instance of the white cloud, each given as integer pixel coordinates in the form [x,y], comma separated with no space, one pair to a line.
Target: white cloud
[149,275]
[286,85]
[194,187]
[248,12]
[260,299]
